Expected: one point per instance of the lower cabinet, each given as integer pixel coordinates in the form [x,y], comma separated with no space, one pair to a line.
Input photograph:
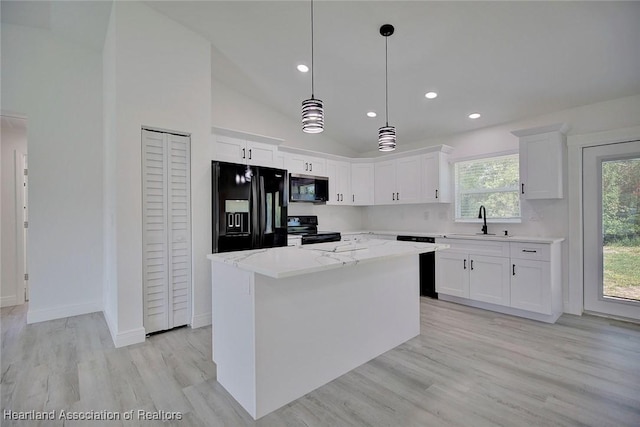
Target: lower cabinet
[452,273]
[478,277]
[489,279]
[524,278]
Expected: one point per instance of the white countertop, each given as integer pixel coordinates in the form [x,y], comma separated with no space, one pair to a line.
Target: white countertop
[290,261]
[464,236]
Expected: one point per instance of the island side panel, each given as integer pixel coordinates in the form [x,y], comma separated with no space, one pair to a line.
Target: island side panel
[233,332]
[310,329]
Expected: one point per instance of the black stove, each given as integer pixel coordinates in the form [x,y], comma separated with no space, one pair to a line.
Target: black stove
[307,227]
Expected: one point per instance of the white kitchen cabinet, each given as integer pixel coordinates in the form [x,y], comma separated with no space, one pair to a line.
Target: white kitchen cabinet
[294,240]
[489,279]
[436,178]
[518,278]
[362,184]
[238,150]
[530,286]
[305,164]
[398,181]
[542,154]
[473,276]
[452,273]
[339,174]
[534,287]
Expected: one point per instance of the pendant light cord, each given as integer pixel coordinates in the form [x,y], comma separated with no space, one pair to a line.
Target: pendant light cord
[312,86]
[386,78]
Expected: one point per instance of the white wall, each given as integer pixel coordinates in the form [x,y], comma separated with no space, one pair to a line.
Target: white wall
[233,110]
[14,141]
[162,80]
[58,86]
[539,217]
[110,283]
[331,218]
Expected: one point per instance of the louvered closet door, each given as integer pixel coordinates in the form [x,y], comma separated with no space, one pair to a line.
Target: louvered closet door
[179,231]
[166,230]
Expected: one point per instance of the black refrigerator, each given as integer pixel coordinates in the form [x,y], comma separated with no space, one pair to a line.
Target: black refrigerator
[249,207]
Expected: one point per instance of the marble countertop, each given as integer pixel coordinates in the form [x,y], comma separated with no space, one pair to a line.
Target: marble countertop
[465,236]
[290,261]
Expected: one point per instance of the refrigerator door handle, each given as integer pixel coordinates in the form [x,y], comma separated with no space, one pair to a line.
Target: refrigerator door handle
[255,200]
[263,212]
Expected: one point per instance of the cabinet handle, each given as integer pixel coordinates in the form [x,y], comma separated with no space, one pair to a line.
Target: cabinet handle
[244,152]
[306,166]
[342,197]
[523,188]
[465,264]
[472,264]
[353,198]
[397,196]
[249,153]
[514,269]
[436,194]
[529,251]
[310,167]
[393,196]
[337,197]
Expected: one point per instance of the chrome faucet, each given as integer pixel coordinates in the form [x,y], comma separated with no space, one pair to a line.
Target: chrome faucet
[483,210]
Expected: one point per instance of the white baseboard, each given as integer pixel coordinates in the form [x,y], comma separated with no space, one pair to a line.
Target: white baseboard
[200,320]
[13,300]
[123,339]
[35,316]
[132,336]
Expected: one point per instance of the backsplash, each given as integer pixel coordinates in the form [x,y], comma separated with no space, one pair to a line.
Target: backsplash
[331,218]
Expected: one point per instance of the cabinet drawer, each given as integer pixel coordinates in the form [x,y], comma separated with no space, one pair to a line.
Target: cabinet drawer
[532,251]
[477,247]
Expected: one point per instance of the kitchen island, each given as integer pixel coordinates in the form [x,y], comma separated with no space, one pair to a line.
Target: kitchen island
[288,320]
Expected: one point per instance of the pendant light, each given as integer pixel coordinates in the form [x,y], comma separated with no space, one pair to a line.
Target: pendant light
[312,109]
[386,134]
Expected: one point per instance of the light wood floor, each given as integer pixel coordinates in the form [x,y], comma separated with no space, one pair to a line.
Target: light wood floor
[468,367]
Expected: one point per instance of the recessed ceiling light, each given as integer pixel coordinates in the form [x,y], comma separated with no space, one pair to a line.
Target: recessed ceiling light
[474,115]
[303,68]
[371,114]
[431,95]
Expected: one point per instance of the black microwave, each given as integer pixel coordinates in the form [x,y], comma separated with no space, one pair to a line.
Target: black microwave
[307,188]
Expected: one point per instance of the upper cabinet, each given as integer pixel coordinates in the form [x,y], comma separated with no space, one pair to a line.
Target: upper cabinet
[398,181]
[542,154]
[339,174]
[362,184]
[237,147]
[305,164]
[436,177]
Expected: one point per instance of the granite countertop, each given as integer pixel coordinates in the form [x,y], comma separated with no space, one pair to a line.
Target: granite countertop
[290,261]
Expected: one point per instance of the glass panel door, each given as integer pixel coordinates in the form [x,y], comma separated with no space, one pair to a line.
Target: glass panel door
[611,190]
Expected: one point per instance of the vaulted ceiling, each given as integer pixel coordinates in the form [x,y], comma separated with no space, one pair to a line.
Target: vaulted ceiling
[505,60]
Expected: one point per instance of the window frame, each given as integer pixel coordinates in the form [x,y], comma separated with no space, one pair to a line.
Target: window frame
[456,198]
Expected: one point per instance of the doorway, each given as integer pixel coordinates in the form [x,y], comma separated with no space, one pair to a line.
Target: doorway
[14,212]
[611,214]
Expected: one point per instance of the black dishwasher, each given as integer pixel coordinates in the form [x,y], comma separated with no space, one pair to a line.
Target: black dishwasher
[427,266]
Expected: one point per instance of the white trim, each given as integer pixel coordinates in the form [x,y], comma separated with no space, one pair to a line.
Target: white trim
[130,337]
[200,320]
[8,301]
[35,316]
[575,144]
[484,156]
[123,339]
[556,127]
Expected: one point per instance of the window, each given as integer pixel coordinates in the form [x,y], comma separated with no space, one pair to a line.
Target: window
[492,182]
